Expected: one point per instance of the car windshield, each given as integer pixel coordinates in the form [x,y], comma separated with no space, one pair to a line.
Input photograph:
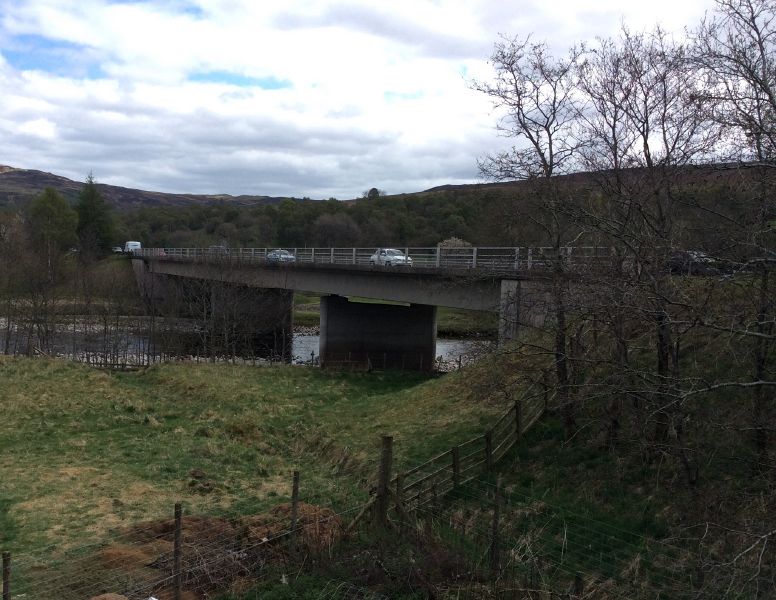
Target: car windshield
[394,253]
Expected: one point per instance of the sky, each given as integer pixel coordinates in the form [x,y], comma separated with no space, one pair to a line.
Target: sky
[303,98]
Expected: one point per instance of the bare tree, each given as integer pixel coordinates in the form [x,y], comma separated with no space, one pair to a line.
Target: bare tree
[537,94]
[735,49]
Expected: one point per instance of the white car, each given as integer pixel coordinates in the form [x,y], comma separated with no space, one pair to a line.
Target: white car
[280,256]
[390,257]
[132,247]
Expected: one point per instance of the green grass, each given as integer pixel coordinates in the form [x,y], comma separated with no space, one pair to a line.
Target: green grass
[307,318]
[453,322]
[88,451]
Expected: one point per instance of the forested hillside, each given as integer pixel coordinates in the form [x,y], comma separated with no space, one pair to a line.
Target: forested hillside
[485,215]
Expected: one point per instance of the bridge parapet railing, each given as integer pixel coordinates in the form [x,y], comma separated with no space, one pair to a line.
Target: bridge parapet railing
[484,258]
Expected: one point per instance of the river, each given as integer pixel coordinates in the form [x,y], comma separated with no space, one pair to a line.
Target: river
[126,342]
[448,351]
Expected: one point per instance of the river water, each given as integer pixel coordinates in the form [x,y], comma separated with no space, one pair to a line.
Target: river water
[128,342]
[448,351]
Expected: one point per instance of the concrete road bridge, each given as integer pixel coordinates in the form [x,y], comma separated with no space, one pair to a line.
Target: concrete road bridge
[512,282]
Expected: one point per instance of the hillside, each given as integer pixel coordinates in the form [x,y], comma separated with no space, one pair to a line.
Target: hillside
[19,186]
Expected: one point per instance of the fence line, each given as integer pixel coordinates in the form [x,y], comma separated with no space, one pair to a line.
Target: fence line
[453,468]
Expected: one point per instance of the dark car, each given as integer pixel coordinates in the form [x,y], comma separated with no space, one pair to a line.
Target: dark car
[280,256]
[692,262]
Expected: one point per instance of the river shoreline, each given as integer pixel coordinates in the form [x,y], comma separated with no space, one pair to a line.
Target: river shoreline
[134,342]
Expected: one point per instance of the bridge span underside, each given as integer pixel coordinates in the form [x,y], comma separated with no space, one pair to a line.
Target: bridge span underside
[397,335]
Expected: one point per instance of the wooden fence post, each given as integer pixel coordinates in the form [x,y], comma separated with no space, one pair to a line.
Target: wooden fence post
[400,500]
[6,576]
[456,452]
[294,505]
[579,585]
[177,554]
[494,538]
[383,481]
[488,450]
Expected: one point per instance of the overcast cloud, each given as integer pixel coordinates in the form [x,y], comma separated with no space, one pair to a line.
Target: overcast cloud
[295,98]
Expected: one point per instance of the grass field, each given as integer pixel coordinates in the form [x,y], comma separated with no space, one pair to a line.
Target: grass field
[88,451]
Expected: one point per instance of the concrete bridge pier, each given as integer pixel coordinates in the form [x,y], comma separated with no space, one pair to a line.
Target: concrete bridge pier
[386,336]
[522,306]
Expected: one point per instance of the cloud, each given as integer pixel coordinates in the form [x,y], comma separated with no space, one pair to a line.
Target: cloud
[317,98]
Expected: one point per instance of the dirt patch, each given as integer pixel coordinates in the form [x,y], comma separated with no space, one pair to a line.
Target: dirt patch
[318,528]
[217,553]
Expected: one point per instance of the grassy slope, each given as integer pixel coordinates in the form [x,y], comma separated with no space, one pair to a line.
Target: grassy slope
[88,451]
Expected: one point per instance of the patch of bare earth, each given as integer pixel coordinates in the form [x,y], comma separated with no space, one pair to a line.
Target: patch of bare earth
[218,554]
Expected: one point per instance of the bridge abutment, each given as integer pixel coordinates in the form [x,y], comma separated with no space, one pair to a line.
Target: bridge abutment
[384,335]
[522,306]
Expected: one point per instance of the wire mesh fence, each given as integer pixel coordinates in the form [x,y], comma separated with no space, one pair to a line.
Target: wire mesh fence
[194,555]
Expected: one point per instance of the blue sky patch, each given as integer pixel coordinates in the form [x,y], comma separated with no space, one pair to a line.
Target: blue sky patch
[38,53]
[230,78]
[173,6]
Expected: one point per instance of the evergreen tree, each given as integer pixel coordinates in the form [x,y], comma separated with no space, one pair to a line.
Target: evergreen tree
[95,223]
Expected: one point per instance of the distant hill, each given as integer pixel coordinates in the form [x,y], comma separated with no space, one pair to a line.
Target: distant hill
[19,186]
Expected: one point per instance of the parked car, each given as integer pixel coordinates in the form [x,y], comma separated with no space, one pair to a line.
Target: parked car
[280,256]
[117,250]
[390,257]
